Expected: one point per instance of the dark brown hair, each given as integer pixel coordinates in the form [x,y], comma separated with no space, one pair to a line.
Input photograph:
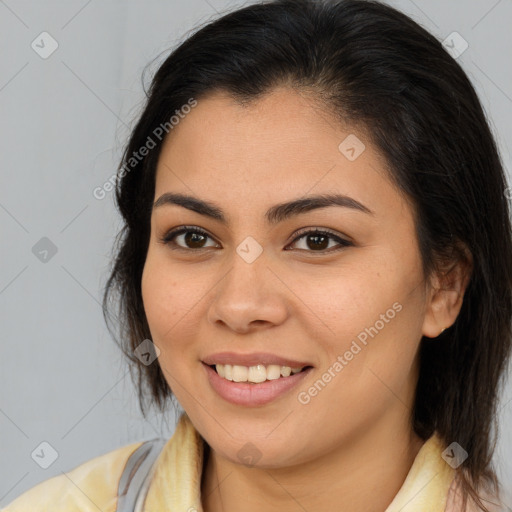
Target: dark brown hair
[371,66]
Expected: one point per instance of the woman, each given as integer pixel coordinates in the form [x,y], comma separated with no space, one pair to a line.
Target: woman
[315,263]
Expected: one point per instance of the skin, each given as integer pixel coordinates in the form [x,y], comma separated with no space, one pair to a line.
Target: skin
[303,302]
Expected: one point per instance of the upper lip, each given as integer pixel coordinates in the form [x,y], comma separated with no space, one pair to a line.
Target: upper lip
[252,359]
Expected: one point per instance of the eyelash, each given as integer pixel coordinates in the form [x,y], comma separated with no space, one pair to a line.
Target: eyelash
[167,239]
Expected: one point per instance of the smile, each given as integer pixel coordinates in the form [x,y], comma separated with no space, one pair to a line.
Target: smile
[253,394]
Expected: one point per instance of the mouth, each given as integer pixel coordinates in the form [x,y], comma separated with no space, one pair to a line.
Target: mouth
[255,374]
[242,386]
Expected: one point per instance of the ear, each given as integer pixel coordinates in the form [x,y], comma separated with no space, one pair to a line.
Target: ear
[446,293]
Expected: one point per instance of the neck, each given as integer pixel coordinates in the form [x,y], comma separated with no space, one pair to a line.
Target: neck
[363,474]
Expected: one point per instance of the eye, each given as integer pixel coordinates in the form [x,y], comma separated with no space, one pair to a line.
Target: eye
[318,240]
[192,235]
[194,238]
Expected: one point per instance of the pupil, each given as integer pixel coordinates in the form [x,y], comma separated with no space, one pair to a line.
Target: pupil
[191,238]
[316,239]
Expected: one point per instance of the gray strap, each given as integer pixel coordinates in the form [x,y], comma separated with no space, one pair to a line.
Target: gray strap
[136,471]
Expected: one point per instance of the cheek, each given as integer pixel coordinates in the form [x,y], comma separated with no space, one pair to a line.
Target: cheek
[171,300]
[165,313]
[160,296]
[152,289]
[349,302]
[373,323]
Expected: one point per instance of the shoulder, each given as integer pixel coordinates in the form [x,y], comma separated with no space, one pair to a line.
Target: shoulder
[88,487]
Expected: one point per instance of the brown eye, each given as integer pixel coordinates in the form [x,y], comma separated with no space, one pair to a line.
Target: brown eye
[318,241]
[193,238]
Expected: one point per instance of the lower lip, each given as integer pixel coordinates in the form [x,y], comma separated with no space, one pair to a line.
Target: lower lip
[243,393]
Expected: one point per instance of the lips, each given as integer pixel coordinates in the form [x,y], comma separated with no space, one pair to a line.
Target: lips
[252,359]
[253,395]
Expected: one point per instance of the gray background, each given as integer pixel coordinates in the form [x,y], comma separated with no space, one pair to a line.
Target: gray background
[64,121]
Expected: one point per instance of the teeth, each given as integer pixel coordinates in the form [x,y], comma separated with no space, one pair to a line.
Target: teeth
[255,374]
[240,373]
[285,371]
[273,372]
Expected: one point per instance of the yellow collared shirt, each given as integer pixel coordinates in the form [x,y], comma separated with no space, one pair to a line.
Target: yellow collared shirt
[175,485]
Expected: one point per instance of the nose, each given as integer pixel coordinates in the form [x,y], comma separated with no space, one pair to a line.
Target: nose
[249,297]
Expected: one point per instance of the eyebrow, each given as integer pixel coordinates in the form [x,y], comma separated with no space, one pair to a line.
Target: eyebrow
[274,214]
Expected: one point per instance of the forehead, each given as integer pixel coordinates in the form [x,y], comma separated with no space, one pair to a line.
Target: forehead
[281,146]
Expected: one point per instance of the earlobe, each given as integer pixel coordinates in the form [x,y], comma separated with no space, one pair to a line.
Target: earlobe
[441,313]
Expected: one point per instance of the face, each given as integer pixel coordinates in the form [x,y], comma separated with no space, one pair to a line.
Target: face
[348,302]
